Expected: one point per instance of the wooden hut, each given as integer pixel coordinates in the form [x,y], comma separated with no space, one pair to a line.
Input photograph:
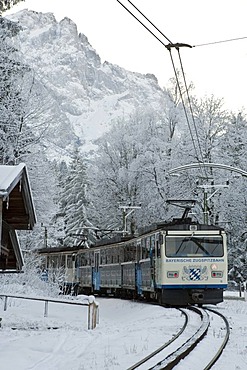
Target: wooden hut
[16,213]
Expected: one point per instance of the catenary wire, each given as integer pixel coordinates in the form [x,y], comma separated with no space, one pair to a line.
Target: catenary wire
[219,42]
[150,22]
[138,20]
[183,104]
[190,106]
[169,46]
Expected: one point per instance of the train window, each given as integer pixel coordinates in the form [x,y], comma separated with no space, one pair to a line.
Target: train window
[69,261]
[129,252]
[145,244]
[91,262]
[161,238]
[54,261]
[83,260]
[148,243]
[102,257]
[138,250]
[113,255]
[158,253]
[120,253]
[194,246]
[62,261]
[96,260]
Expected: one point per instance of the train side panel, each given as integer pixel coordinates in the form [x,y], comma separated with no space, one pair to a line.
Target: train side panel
[111,276]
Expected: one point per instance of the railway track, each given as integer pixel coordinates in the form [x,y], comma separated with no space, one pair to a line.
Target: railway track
[200,327]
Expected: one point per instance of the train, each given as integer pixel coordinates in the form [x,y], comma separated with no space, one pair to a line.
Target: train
[176,263]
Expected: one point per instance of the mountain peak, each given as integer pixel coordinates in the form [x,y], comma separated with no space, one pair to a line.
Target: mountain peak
[86,95]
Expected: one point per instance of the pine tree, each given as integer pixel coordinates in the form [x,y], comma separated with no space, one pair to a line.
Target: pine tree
[74,202]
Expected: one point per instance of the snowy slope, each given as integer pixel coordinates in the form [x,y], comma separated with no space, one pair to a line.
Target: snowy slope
[127,332]
[87,94]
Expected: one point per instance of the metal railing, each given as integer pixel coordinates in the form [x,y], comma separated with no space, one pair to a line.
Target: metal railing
[93,307]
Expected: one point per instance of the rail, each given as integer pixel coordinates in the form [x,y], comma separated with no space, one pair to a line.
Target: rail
[224,343]
[93,307]
[148,357]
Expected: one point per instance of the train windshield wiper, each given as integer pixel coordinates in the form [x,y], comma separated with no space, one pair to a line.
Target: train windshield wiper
[197,242]
[182,242]
[199,245]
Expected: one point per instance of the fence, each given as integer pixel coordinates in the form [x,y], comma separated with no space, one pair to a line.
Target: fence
[93,307]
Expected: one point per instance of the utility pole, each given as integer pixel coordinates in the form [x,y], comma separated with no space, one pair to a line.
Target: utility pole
[127,211]
[45,234]
[175,171]
[206,197]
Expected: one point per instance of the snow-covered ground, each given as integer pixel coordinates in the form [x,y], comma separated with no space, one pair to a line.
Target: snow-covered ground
[127,331]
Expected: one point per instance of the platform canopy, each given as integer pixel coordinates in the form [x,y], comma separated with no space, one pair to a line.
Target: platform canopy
[17,212]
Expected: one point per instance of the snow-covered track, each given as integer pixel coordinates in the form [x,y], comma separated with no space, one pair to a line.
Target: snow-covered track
[224,340]
[195,326]
[198,354]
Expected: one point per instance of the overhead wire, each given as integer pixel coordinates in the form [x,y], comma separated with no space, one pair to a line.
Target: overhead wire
[169,47]
[177,45]
[151,22]
[183,104]
[190,105]
[220,42]
[138,20]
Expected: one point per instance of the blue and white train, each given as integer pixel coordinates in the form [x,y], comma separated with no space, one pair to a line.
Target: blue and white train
[176,263]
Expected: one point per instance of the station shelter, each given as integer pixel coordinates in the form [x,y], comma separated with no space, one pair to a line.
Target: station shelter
[17,212]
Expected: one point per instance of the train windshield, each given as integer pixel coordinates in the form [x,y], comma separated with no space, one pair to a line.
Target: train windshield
[194,246]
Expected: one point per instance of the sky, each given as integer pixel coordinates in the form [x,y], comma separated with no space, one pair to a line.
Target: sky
[127,331]
[218,69]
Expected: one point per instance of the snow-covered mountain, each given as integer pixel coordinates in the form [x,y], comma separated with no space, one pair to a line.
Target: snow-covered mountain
[86,94]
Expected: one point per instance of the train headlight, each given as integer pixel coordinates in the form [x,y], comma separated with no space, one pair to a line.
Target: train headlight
[214,267]
[172,274]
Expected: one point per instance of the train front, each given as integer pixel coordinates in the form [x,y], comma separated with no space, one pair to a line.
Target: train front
[193,267]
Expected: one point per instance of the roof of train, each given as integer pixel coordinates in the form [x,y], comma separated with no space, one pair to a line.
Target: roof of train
[175,224]
[59,249]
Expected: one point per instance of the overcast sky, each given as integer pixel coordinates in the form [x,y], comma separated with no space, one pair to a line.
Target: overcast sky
[218,69]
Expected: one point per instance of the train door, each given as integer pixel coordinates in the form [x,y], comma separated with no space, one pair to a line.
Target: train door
[138,268]
[152,259]
[96,271]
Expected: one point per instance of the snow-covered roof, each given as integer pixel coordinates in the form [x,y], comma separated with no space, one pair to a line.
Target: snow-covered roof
[17,213]
[10,177]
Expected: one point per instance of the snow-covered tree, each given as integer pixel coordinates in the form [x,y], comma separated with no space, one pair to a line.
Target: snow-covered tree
[211,121]
[44,187]
[74,202]
[233,152]
[113,178]
[130,166]
[12,73]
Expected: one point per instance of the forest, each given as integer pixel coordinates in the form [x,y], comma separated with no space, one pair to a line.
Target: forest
[130,163]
